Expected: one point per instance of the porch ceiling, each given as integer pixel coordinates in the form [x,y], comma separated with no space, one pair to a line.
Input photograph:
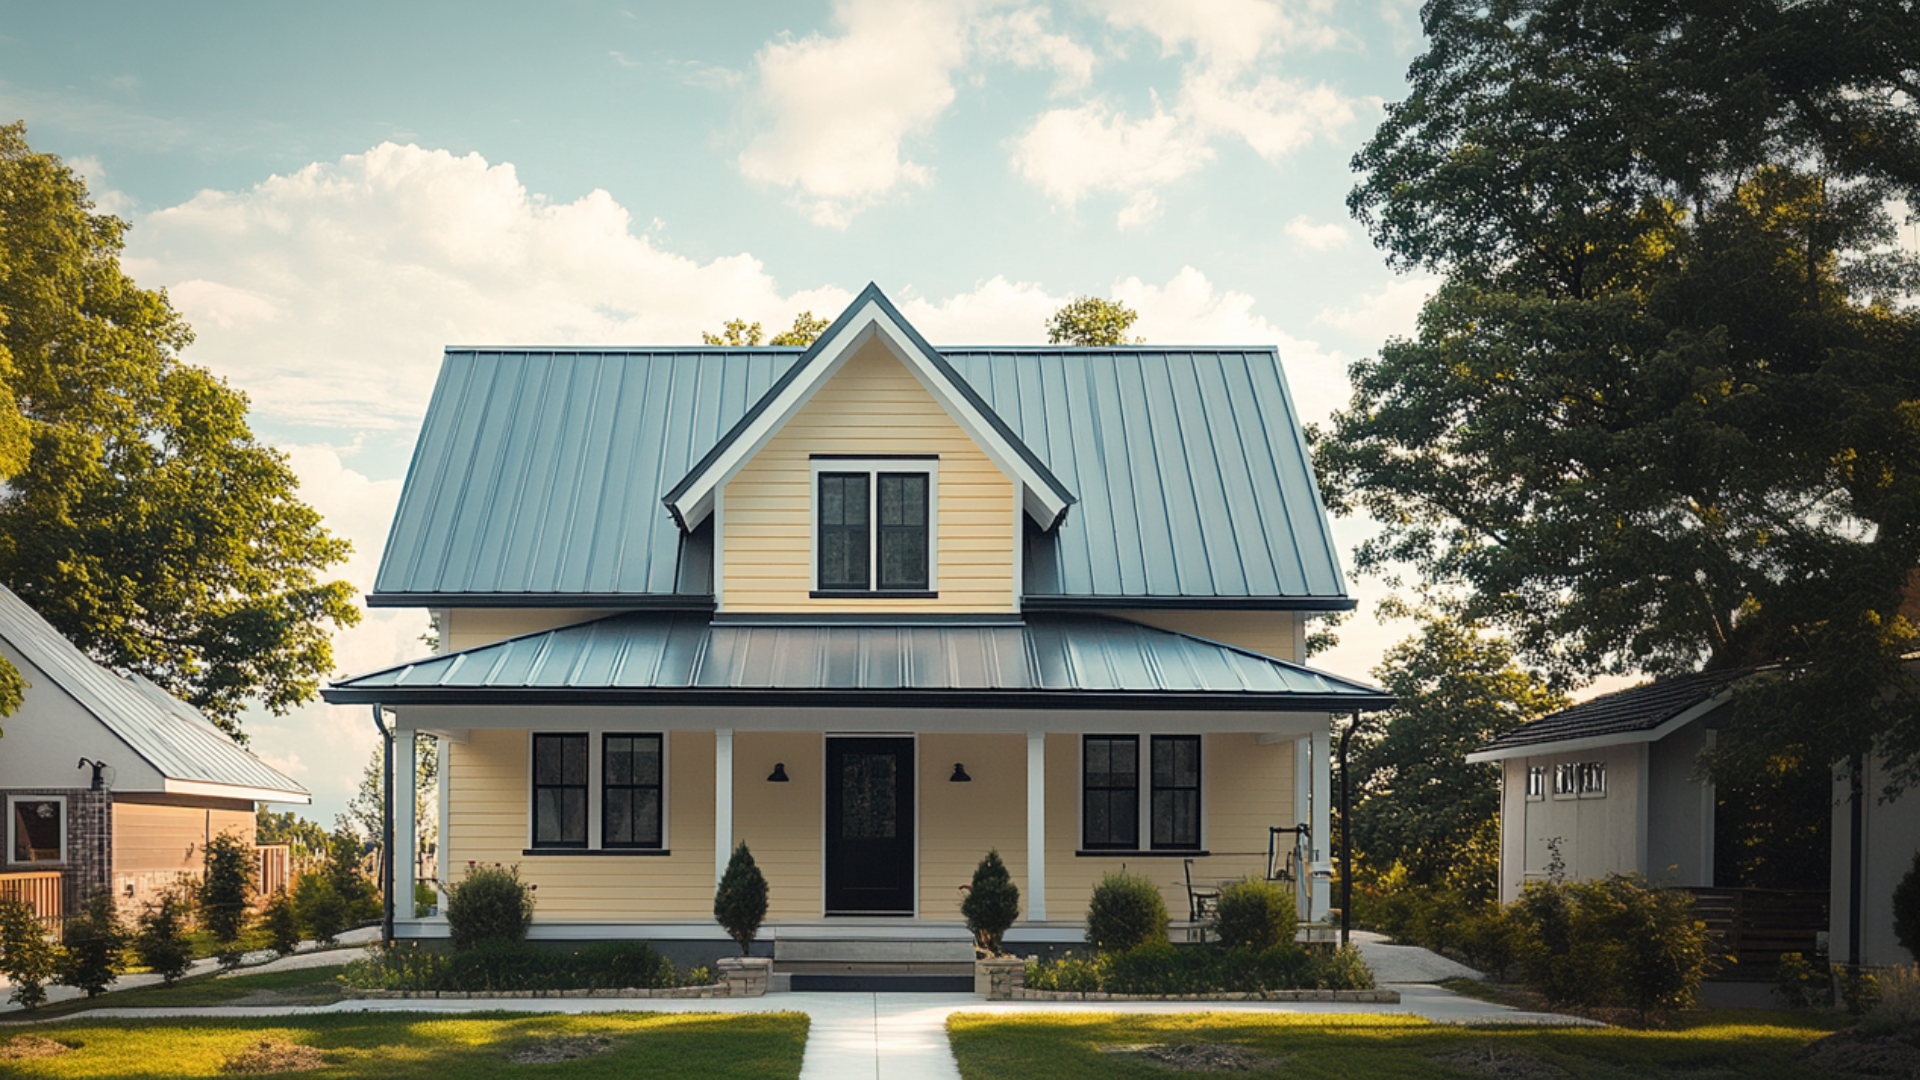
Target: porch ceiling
[1045,661]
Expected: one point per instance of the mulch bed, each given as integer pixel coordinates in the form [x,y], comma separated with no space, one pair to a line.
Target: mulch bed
[1490,1060]
[274,1056]
[1894,1055]
[562,1048]
[1199,1057]
[31,1047]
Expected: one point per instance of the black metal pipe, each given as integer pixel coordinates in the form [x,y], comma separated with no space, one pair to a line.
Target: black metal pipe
[1346,837]
[386,827]
[1854,845]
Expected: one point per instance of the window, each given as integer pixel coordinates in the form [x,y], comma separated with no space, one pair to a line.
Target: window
[1536,782]
[873,526]
[1176,791]
[630,791]
[37,828]
[560,791]
[1590,778]
[1110,816]
[1563,779]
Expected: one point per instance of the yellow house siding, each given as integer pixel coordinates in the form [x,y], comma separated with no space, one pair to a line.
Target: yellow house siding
[781,823]
[1269,633]
[959,822]
[487,822]
[1245,788]
[467,628]
[873,406]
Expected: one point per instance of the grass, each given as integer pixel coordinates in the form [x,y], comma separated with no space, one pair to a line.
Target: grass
[1064,1046]
[304,986]
[392,1046]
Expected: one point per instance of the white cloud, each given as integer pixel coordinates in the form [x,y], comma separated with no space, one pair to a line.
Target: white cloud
[1318,237]
[1021,37]
[1071,153]
[1392,311]
[1275,116]
[1228,34]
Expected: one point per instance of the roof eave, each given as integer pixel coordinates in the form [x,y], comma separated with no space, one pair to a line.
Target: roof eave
[619,601]
[401,696]
[1615,738]
[1046,602]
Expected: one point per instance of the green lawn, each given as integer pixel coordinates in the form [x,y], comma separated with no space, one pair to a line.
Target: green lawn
[306,986]
[1065,1046]
[396,1045]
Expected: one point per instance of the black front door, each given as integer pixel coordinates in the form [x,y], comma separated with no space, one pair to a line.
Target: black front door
[869,826]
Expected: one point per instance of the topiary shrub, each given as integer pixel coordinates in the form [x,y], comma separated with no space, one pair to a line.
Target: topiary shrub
[160,940]
[281,924]
[27,958]
[226,890]
[490,904]
[1126,912]
[1906,909]
[318,908]
[1256,915]
[93,946]
[992,902]
[740,903]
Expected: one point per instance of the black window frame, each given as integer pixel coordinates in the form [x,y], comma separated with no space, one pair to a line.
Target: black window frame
[822,530]
[658,789]
[875,534]
[585,787]
[1108,790]
[1155,787]
[882,531]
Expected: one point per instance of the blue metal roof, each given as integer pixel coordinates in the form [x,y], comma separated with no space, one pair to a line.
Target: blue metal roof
[667,657]
[173,737]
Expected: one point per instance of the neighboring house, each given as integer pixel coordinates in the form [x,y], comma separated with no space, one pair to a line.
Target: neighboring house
[870,607]
[167,781]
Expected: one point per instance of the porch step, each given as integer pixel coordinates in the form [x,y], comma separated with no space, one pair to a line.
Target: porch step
[840,967]
[884,984]
[788,951]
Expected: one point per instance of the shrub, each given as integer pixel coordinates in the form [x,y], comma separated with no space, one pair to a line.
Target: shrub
[1342,969]
[1160,969]
[1543,941]
[516,966]
[490,904]
[318,908]
[1859,989]
[740,902]
[424,899]
[1899,1003]
[992,902]
[1126,912]
[359,897]
[27,958]
[1802,984]
[1906,909]
[1486,941]
[281,924]
[1069,974]
[1619,941]
[1255,914]
[160,940]
[94,945]
[226,888]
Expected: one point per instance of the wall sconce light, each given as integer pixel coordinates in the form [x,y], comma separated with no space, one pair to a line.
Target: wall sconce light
[779,773]
[959,775]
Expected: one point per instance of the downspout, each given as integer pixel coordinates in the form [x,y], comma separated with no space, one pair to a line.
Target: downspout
[1346,836]
[1854,844]
[386,827]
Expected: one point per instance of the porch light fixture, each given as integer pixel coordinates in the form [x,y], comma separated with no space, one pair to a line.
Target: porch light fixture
[779,773]
[959,775]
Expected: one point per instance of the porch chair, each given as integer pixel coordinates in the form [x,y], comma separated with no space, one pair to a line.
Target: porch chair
[1201,901]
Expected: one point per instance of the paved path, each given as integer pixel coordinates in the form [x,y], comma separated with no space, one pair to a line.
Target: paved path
[309,955]
[1406,963]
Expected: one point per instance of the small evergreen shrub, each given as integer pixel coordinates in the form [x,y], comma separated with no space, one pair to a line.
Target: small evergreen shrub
[490,904]
[160,939]
[740,903]
[281,923]
[1802,984]
[1906,909]
[319,909]
[992,902]
[93,949]
[27,958]
[226,890]
[1126,912]
[1253,914]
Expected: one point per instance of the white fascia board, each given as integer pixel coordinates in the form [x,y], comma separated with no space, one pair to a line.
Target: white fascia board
[1592,742]
[235,791]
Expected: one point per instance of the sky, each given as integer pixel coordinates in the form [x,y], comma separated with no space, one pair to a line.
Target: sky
[331,195]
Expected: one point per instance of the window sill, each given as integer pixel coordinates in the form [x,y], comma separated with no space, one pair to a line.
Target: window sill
[874,594]
[596,851]
[1129,853]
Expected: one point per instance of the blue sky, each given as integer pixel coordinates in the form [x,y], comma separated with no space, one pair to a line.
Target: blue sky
[331,195]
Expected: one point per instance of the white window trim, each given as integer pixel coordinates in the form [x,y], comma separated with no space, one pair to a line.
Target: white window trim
[873,467]
[1586,770]
[65,824]
[596,781]
[1144,797]
[1539,771]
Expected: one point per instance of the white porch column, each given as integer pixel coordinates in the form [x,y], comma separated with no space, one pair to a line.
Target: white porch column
[406,838]
[1303,814]
[1322,824]
[442,864]
[1036,826]
[722,801]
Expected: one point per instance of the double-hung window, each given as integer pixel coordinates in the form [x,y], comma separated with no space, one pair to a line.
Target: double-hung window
[1124,798]
[560,791]
[873,526]
[630,791]
[1110,792]
[36,829]
[604,791]
[1176,791]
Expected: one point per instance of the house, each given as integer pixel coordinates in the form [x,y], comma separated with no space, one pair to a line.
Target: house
[870,607]
[108,780]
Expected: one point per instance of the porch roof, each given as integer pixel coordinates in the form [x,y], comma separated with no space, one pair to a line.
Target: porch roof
[1059,660]
[1644,713]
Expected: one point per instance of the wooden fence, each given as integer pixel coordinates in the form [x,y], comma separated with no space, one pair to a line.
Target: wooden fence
[273,866]
[1757,926]
[39,888]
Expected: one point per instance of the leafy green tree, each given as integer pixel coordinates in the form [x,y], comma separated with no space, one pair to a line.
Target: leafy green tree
[804,330]
[1663,413]
[282,923]
[27,958]
[226,886]
[160,937]
[305,838]
[1416,800]
[146,522]
[740,333]
[93,946]
[364,810]
[1089,320]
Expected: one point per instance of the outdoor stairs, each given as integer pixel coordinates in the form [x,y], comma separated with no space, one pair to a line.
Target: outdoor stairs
[928,965]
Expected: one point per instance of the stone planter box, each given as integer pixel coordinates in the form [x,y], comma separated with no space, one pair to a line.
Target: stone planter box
[740,976]
[1005,980]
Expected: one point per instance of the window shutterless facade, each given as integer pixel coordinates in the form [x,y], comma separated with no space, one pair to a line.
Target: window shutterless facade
[1536,782]
[1121,800]
[1110,792]
[36,829]
[1176,792]
[560,791]
[873,526]
[630,792]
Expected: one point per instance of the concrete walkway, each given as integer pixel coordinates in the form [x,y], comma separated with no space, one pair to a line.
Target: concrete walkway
[887,1036]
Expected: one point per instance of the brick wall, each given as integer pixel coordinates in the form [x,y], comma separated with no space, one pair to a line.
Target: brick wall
[89,864]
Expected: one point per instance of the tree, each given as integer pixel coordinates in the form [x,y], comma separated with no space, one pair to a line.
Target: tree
[1417,801]
[93,946]
[739,333]
[306,839]
[740,901]
[226,886]
[160,940]
[1089,320]
[365,809]
[27,958]
[1663,413]
[146,522]
[992,902]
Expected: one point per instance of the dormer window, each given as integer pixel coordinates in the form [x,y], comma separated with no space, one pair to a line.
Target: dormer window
[873,526]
